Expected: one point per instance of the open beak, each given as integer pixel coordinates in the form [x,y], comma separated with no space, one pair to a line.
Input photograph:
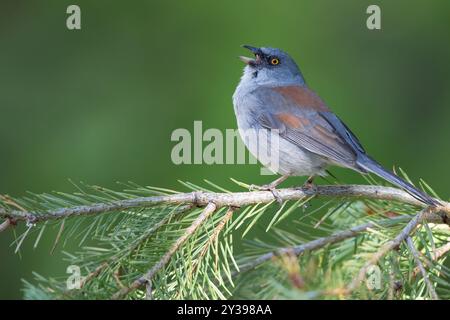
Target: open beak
[252,61]
[247,60]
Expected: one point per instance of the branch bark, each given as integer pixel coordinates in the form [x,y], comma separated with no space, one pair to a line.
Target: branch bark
[237,199]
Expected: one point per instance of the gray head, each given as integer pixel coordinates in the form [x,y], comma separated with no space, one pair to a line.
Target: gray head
[271,66]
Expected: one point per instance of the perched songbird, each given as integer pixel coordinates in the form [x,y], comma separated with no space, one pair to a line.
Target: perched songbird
[273,98]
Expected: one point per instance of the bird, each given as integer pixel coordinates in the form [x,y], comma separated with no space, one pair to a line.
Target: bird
[272,99]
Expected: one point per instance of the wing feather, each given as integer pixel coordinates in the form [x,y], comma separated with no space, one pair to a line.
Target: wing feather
[307,126]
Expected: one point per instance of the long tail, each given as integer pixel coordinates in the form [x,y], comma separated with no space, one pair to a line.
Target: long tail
[371,165]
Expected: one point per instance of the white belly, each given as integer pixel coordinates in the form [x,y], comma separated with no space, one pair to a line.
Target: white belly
[280,155]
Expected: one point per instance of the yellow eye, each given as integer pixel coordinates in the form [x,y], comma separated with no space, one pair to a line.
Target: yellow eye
[274,61]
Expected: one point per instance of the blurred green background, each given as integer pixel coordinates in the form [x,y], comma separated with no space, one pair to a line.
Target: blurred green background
[99,105]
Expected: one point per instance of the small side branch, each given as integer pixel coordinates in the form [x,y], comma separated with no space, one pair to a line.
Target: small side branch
[148,276]
[346,234]
[5,225]
[435,255]
[319,243]
[424,273]
[94,274]
[214,236]
[440,252]
[390,245]
[135,245]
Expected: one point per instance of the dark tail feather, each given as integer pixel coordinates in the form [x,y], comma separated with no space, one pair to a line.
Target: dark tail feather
[371,165]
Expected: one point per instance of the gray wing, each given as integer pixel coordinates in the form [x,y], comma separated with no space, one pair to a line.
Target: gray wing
[314,129]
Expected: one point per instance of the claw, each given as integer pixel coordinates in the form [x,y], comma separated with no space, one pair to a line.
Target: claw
[268,187]
[309,184]
[277,196]
[271,187]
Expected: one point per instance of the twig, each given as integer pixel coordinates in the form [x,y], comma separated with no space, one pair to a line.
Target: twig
[390,245]
[5,225]
[395,285]
[428,283]
[148,291]
[435,255]
[214,236]
[319,243]
[58,236]
[93,274]
[391,290]
[7,200]
[147,277]
[350,233]
[147,234]
[116,276]
[237,199]
[290,264]
[440,252]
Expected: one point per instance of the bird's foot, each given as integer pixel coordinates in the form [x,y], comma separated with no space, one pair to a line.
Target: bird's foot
[268,187]
[308,185]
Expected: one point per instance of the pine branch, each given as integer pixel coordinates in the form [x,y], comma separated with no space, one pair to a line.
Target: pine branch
[390,245]
[143,235]
[324,241]
[237,199]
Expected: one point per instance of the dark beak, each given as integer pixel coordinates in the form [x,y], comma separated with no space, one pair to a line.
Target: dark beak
[250,61]
[252,49]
